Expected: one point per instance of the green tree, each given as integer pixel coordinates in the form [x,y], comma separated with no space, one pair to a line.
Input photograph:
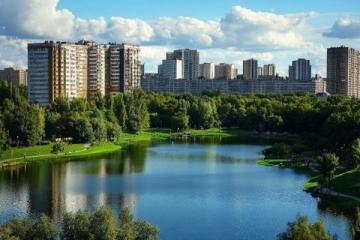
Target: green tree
[44,229]
[83,132]
[327,165]
[76,226]
[302,229]
[103,226]
[355,153]
[3,138]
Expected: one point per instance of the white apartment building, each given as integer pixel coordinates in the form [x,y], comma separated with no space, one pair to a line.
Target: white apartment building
[172,69]
[207,70]
[225,71]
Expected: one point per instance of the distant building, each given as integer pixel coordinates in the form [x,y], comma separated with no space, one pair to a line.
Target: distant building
[172,69]
[300,70]
[123,68]
[56,70]
[207,70]
[80,70]
[269,70]
[269,85]
[250,68]
[260,71]
[190,61]
[96,69]
[225,71]
[343,71]
[16,76]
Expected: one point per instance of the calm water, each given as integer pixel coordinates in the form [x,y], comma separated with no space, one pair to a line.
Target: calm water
[191,191]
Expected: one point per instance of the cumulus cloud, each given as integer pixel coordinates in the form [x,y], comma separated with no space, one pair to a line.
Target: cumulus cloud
[12,52]
[242,33]
[344,28]
[130,30]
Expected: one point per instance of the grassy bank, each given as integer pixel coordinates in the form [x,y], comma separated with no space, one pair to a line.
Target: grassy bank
[21,155]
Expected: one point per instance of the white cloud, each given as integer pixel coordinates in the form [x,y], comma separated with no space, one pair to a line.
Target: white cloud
[344,28]
[12,52]
[129,30]
[240,34]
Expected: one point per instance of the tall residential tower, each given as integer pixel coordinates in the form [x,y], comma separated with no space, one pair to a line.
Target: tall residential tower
[343,71]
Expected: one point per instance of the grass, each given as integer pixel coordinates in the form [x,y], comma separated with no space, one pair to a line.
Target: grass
[274,163]
[347,182]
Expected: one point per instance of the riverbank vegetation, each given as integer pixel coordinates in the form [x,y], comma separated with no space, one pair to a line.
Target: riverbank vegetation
[309,127]
[81,225]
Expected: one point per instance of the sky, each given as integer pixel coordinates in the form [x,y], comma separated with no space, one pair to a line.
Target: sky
[272,31]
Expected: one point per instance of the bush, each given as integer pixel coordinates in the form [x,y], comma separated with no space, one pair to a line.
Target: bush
[58,147]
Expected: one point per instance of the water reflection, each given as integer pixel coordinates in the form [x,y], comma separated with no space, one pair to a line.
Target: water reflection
[55,187]
[191,186]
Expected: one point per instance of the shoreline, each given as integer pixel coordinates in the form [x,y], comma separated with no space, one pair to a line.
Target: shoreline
[312,185]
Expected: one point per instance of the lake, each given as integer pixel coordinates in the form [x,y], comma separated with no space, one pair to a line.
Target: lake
[190,190]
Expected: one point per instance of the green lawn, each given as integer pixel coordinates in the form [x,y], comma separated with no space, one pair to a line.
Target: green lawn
[348,183]
[274,163]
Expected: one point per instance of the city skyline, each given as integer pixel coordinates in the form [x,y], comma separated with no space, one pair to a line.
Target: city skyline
[229,32]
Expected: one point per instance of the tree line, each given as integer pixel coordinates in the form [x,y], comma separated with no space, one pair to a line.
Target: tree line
[335,122]
[99,225]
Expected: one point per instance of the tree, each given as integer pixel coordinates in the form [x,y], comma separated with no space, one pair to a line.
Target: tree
[179,121]
[44,229]
[355,153]
[76,226]
[327,165]
[302,229]
[82,131]
[3,138]
[103,225]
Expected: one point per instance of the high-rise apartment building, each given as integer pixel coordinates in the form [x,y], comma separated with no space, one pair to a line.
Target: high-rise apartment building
[57,69]
[260,71]
[96,69]
[171,69]
[225,71]
[343,71]
[190,60]
[60,69]
[207,70]
[123,68]
[300,70]
[250,68]
[16,76]
[269,70]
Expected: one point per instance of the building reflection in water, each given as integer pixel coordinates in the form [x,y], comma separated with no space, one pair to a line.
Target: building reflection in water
[57,187]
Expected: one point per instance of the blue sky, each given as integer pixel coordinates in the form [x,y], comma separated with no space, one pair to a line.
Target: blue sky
[205,9]
[231,31]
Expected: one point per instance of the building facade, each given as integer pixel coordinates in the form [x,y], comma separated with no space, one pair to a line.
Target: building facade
[16,76]
[190,60]
[154,83]
[300,70]
[250,68]
[80,70]
[207,71]
[124,68]
[343,71]
[225,71]
[269,70]
[171,69]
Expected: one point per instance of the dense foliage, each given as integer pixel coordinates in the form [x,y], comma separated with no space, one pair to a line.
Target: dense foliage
[335,122]
[302,229]
[100,225]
